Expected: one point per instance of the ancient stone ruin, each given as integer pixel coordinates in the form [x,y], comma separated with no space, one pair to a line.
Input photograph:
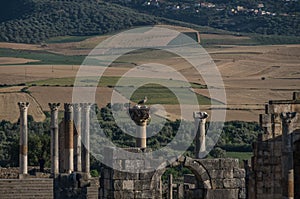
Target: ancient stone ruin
[127,177]
[275,166]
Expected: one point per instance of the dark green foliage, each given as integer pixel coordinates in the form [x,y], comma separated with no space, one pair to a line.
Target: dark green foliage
[284,22]
[94,173]
[38,142]
[217,152]
[48,18]
[35,21]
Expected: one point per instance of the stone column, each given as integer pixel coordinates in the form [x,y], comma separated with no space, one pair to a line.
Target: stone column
[140,115]
[200,146]
[287,155]
[141,136]
[23,106]
[170,186]
[86,107]
[54,138]
[69,133]
[77,138]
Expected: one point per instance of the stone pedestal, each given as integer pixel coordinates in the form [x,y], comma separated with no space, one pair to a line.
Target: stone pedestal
[200,120]
[23,156]
[133,183]
[140,115]
[54,138]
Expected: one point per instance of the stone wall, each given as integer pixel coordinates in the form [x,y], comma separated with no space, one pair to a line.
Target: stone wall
[216,178]
[273,155]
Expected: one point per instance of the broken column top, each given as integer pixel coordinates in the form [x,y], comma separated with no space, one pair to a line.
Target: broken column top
[54,106]
[23,105]
[68,107]
[200,115]
[287,117]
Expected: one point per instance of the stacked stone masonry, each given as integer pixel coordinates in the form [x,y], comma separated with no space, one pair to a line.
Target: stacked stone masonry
[216,178]
[274,171]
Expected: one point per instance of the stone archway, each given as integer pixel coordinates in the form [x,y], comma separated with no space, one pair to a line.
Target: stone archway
[201,174]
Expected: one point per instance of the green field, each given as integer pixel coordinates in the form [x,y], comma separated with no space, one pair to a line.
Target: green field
[239,155]
[44,56]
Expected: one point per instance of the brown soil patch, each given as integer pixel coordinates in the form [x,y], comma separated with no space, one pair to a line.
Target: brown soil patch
[12,89]
[20,46]
[10,110]
[252,76]
[45,95]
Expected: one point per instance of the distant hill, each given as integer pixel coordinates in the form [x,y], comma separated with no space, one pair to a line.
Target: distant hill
[268,17]
[33,21]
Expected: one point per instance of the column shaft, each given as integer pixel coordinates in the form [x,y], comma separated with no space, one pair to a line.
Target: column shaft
[69,133]
[77,138]
[200,145]
[170,187]
[23,156]
[86,137]
[141,137]
[54,138]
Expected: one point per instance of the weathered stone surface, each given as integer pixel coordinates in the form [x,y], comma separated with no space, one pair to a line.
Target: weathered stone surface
[239,173]
[133,165]
[146,175]
[142,184]
[223,193]
[128,184]
[119,175]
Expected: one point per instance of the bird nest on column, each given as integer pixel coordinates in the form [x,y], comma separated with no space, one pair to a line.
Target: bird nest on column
[140,114]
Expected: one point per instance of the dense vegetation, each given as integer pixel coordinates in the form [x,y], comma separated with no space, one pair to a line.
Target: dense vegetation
[236,136]
[275,17]
[35,21]
[42,19]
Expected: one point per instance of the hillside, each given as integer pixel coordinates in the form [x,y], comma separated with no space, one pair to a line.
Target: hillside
[245,16]
[33,21]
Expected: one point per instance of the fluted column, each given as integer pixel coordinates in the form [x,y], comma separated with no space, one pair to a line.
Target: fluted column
[86,137]
[140,115]
[287,155]
[54,137]
[69,133]
[23,156]
[200,120]
[77,138]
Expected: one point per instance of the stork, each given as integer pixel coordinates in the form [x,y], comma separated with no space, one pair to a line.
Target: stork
[143,101]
